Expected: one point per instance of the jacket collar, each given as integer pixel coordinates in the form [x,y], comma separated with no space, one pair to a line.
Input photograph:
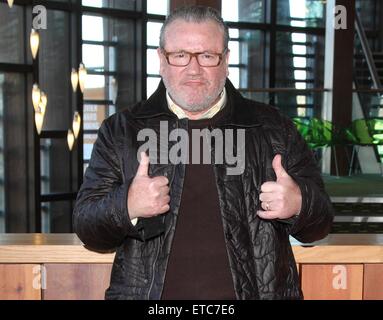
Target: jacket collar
[242,112]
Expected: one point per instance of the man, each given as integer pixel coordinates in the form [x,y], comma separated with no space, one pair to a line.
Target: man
[193,229]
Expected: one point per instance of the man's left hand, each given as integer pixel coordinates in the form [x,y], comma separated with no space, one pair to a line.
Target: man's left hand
[280,199]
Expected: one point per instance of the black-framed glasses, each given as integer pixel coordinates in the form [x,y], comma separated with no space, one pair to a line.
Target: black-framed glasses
[183,58]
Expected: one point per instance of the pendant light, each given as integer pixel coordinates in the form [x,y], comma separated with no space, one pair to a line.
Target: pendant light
[76,124]
[82,73]
[70,139]
[34,40]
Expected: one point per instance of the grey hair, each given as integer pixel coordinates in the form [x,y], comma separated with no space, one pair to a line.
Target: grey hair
[195,14]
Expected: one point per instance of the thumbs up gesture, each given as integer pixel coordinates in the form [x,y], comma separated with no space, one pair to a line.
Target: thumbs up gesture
[280,199]
[147,197]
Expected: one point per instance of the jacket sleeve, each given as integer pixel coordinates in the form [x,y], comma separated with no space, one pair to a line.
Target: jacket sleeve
[315,219]
[100,215]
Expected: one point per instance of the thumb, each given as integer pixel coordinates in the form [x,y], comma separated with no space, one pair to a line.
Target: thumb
[277,166]
[143,168]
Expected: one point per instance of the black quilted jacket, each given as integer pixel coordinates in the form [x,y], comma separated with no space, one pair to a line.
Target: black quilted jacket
[260,255]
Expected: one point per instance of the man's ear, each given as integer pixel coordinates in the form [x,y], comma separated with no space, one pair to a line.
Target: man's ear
[159,53]
[227,55]
[161,57]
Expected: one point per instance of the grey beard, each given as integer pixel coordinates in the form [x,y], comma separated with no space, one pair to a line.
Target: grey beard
[197,107]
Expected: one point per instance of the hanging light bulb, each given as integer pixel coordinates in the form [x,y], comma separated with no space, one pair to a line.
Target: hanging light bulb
[82,73]
[43,102]
[114,90]
[39,119]
[36,96]
[34,42]
[70,139]
[10,3]
[76,124]
[74,79]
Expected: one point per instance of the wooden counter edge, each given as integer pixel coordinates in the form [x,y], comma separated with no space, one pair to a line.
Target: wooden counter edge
[52,254]
[339,254]
[79,254]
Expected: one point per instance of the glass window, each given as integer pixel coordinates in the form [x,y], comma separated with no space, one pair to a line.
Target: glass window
[234,52]
[153,62]
[152,59]
[151,85]
[299,64]
[109,54]
[55,153]
[368,11]
[243,10]
[158,7]
[302,104]
[56,216]
[234,77]
[301,13]
[54,63]
[233,33]
[99,87]
[92,28]
[11,29]
[14,133]
[298,37]
[95,114]
[93,57]
[112,49]
[246,53]
[95,87]
[92,3]
[153,33]
[115,4]
[89,140]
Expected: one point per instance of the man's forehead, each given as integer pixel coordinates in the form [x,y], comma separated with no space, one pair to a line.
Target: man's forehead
[191,22]
[190,26]
[187,31]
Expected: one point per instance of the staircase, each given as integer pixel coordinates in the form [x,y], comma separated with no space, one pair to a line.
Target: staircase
[368,75]
[362,73]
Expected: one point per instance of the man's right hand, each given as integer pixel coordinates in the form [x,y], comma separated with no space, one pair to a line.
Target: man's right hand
[147,197]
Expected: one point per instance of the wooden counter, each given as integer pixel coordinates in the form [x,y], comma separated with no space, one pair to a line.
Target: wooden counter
[48,248]
[58,266]
[67,248]
[341,248]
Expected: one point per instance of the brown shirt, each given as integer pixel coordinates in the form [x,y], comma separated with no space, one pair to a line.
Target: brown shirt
[198,266]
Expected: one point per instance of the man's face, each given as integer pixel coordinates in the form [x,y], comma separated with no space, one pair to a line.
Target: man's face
[194,88]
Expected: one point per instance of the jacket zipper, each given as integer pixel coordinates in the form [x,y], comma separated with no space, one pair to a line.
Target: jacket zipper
[171,182]
[159,245]
[153,269]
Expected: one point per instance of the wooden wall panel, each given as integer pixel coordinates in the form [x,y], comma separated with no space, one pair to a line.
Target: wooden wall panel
[20,282]
[332,282]
[373,282]
[76,281]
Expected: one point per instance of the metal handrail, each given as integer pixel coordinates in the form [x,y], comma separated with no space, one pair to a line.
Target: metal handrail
[282,90]
[367,53]
[368,90]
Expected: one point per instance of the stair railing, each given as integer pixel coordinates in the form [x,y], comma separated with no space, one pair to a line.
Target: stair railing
[367,53]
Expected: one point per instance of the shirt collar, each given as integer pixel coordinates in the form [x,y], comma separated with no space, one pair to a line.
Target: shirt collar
[208,114]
